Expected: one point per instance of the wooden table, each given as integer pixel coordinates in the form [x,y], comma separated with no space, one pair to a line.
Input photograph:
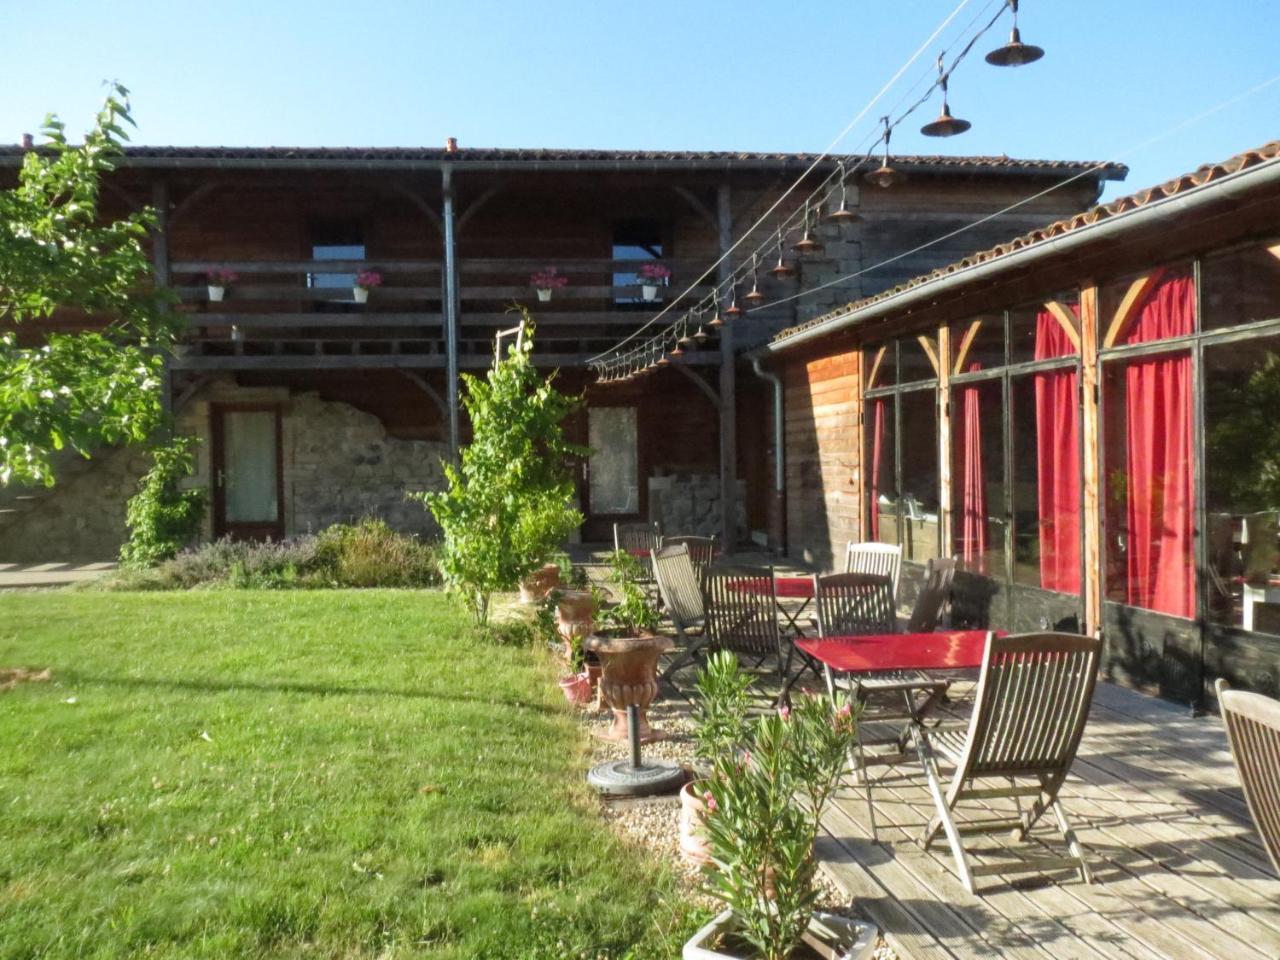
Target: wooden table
[785,588]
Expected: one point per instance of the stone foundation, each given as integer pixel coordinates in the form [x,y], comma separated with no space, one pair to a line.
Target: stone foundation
[339,465]
[689,504]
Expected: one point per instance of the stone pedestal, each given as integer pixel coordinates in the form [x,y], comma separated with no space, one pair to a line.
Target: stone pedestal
[629,678]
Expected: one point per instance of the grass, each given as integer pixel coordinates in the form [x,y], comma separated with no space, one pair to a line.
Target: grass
[330,774]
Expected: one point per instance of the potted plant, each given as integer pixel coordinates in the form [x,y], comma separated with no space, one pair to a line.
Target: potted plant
[721,729]
[577,687]
[218,281]
[537,585]
[545,281]
[628,647]
[365,281]
[762,818]
[652,276]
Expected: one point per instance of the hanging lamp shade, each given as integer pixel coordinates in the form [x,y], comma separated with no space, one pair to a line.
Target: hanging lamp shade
[754,296]
[733,311]
[1015,53]
[781,270]
[684,340]
[807,243]
[885,175]
[842,213]
[676,350]
[700,334]
[946,125]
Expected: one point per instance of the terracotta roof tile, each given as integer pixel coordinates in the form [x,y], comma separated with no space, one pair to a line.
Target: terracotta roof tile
[1206,174]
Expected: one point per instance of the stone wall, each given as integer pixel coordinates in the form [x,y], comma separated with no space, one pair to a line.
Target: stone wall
[689,504]
[339,465]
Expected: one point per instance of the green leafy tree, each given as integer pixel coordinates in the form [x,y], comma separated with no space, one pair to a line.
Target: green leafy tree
[100,384]
[507,507]
[162,516]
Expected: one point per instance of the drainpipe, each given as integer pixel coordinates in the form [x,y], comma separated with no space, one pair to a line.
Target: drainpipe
[450,310]
[779,498]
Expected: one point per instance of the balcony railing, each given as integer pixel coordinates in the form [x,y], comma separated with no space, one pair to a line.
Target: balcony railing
[275,315]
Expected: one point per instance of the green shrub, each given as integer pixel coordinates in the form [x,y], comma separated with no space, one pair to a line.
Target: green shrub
[163,517]
[371,554]
[720,714]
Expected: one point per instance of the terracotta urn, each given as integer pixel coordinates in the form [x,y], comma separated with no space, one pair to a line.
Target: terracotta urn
[693,843]
[629,677]
[538,584]
[575,615]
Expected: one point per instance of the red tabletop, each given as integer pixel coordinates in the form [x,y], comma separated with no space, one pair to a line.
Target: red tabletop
[946,650]
[790,588]
[640,553]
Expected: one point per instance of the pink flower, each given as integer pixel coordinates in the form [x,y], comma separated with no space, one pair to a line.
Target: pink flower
[710,801]
[368,279]
[784,712]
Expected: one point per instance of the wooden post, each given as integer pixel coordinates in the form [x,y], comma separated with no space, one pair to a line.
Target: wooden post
[944,441]
[160,263]
[449,286]
[1090,434]
[728,388]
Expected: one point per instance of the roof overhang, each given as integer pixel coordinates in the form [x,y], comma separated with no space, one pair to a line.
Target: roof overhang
[1132,222]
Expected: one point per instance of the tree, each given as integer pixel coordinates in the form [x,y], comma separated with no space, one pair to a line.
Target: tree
[100,384]
[507,505]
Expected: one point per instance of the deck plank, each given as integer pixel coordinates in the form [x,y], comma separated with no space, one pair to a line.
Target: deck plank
[1154,797]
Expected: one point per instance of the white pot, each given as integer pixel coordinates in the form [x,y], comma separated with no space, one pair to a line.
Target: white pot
[649,291]
[216,292]
[361,294]
[544,294]
[847,939]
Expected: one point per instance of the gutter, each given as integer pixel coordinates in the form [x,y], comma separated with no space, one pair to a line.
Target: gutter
[1190,203]
[779,453]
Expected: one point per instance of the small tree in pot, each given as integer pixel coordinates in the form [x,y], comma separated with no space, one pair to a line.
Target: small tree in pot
[763,817]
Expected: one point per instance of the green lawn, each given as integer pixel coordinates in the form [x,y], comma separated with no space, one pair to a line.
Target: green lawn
[299,773]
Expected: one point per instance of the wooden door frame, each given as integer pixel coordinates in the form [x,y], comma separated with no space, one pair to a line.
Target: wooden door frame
[593,523]
[273,531]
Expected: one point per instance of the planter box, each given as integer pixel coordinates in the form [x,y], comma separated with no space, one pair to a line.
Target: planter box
[840,937]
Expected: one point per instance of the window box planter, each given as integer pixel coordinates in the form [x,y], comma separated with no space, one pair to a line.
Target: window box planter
[830,936]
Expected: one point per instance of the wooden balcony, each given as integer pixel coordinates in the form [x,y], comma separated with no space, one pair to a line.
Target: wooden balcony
[286,314]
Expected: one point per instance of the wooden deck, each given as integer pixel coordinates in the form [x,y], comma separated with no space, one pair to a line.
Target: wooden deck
[1179,871]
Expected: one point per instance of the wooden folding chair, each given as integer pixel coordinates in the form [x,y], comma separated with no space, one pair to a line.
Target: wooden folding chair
[852,604]
[702,551]
[1029,714]
[742,615]
[639,540]
[680,587]
[882,558]
[1253,730]
[933,597]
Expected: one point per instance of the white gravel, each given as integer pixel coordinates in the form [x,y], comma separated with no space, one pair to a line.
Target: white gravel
[654,822]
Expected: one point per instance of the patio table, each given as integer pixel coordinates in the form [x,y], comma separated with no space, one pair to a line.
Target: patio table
[786,588]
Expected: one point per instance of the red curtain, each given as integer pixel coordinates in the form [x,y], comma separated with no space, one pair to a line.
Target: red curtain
[1057,460]
[877,450]
[973,494]
[1160,574]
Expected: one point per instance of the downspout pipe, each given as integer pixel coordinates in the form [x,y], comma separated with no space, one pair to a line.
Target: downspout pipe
[779,454]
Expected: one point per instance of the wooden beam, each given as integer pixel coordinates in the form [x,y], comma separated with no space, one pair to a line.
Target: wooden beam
[689,197]
[966,344]
[1090,432]
[942,363]
[272,267]
[728,385]
[160,264]
[587,320]
[1128,309]
[432,393]
[421,205]
[931,351]
[475,205]
[706,388]
[372,361]
[1067,320]
[875,368]
[180,210]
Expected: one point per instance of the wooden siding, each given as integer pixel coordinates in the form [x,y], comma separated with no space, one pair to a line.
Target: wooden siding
[823,407]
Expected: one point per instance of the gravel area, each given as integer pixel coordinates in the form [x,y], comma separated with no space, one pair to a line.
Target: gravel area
[653,822]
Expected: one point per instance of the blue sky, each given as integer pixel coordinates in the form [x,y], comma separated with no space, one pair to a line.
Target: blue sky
[696,74]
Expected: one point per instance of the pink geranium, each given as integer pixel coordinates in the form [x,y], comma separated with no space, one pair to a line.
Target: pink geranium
[655,273]
[222,278]
[368,279]
[548,279]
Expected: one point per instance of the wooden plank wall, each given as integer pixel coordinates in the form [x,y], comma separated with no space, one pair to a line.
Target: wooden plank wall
[823,405]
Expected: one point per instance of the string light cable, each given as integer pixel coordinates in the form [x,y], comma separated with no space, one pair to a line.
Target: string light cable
[817,161]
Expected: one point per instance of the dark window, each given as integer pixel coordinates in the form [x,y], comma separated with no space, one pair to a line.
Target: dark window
[1241,287]
[335,240]
[919,496]
[1242,482]
[977,476]
[1045,330]
[977,344]
[634,240]
[917,358]
[881,465]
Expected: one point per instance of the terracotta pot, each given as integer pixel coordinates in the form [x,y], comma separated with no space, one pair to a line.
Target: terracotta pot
[576,688]
[693,844]
[629,678]
[575,615]
[538,584]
